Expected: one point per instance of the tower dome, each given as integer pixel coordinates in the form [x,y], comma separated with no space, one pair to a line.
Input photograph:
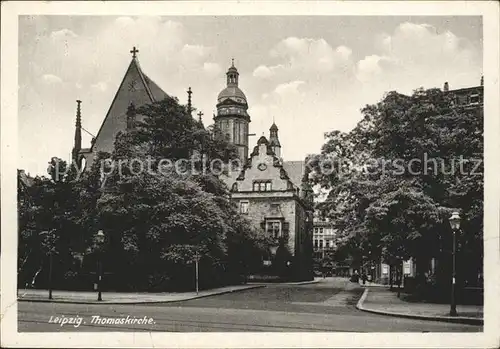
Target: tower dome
[232,91]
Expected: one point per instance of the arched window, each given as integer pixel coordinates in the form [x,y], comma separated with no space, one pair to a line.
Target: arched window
[83,163]
[236,132]
[234,187]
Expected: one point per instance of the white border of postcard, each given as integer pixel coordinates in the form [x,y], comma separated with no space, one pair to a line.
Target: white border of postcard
[9,50]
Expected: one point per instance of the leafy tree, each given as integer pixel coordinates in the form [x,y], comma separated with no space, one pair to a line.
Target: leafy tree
[399,173]
[46,210]
[158,218]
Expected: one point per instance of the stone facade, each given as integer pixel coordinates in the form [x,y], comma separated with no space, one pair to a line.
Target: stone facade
[324,237]
[264,192]
[468,98]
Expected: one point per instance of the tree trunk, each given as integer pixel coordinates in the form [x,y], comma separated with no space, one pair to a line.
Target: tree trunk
[391,278]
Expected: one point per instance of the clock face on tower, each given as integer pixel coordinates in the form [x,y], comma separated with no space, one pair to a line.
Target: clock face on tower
[262,166]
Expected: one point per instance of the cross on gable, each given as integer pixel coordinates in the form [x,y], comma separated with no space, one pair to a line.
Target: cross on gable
[200,114]
[134,52]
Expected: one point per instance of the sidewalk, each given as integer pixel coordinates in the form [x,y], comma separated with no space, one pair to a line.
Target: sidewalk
[381,300]
[31,295]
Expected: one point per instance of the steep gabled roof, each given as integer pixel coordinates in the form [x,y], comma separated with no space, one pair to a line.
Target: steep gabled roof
[295,170]
[146,91]
[157,93]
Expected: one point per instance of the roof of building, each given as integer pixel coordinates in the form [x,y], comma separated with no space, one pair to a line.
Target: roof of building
[152,90]
[262,140]
[295,170]
[25,179]
[273,127]
[156,91]
[231,92]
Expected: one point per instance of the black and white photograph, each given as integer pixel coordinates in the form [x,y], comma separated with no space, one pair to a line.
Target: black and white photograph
[191,168]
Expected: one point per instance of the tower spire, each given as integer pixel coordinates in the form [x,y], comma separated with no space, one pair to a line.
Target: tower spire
[189,92]
[232,75]
[274,139]
[78,132]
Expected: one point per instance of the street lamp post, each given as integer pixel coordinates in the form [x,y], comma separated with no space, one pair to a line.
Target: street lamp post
[50,275]
[455,226]
[196,259]
[100,240]
[49,240]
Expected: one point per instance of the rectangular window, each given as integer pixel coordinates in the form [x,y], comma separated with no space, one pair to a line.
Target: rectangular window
[315,243]
[474,99]
[268,186]
[262,185]
[244,207]
[273,228]
[320,243]
[315,230]
[321,230]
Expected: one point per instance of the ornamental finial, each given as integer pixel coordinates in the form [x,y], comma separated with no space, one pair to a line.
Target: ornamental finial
[134,52]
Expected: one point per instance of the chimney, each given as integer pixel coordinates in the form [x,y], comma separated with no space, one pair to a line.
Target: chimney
[446,87]
[482,80]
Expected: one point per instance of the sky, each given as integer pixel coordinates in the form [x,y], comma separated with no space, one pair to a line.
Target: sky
[310,74]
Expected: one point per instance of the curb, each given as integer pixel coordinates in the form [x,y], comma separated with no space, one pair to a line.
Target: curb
[457,319]
[284,283]
[136,302]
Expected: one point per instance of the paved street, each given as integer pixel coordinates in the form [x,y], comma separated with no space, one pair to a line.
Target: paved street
[325,306]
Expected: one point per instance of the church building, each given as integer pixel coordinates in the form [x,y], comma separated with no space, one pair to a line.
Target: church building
[135,90]
[272,193]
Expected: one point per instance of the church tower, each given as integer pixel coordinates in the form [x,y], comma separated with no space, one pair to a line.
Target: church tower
[274,141]
[232,118]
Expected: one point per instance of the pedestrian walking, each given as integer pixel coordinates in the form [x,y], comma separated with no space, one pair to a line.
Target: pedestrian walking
[364,277]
